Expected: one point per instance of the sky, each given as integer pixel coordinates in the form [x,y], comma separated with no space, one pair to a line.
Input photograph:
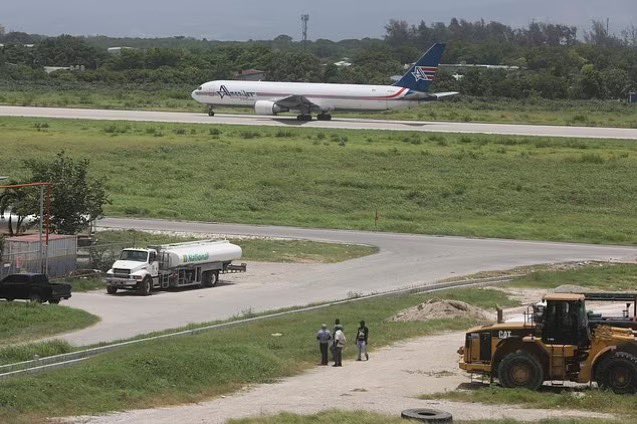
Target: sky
[265,19]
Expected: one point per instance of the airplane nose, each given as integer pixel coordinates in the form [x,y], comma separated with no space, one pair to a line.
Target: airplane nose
[194,95]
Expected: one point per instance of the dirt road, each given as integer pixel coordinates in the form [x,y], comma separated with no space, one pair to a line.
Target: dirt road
[387,384]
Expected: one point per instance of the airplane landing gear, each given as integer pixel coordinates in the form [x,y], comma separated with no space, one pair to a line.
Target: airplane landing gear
[324,117]
[304,117]
[210,111]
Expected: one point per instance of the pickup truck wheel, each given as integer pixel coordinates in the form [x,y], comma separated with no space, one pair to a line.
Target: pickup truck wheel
[54,301]
[111,290]
[145,286]
[35,298]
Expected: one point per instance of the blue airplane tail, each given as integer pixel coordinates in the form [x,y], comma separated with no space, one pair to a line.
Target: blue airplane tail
[423,73]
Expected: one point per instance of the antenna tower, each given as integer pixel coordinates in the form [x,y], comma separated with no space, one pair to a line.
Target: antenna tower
[304,19]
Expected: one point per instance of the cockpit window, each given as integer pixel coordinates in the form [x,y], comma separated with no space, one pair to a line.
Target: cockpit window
[200,88]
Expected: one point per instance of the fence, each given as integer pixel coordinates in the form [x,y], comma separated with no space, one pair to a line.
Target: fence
[24,254]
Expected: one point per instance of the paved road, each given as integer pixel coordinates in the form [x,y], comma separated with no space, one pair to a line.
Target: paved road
[403,260]
[337,123]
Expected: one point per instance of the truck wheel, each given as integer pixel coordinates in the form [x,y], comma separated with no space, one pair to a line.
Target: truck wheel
[35,298]
[54,301]
[211,279]
[145,286]
[520,370]
[618,372]
[111,290]
[426,415]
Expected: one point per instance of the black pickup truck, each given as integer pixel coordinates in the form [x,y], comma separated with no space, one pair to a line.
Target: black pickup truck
[34,287]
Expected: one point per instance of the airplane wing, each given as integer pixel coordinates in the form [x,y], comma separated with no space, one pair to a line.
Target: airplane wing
[444,94]
[295,102]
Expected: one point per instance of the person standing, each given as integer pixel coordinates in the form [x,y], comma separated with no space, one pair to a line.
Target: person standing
[361,341]
[339,345]
[324,336]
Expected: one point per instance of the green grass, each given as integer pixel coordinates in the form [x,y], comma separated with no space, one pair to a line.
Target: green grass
[463,109]
[189,369]
[607,277]
[472,185]
[20,321]
[363,417]
[27,352]
[547,398]
[254,249]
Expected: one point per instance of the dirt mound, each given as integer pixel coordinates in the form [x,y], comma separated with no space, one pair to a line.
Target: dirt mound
[442,309]
[570,288]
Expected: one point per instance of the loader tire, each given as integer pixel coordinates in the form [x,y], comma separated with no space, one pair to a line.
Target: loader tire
[618,372]
[520,370]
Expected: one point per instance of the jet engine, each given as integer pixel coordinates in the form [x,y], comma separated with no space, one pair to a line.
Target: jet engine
[267,107]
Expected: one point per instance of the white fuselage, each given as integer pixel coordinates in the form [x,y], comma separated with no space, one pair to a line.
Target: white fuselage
[327,97]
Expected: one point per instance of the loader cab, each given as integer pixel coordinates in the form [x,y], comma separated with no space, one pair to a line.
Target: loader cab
[563,320]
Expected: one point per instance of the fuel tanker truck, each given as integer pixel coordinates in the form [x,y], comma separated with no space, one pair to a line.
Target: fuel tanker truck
[196,263]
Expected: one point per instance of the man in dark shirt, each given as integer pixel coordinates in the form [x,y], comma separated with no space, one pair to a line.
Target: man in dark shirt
[361,341]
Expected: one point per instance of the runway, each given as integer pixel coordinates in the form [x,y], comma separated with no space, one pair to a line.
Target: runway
[336,123]
[403,260]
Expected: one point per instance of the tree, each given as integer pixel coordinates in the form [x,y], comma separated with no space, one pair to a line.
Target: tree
[77,199]
[591,81]
[2,30]
[19,203]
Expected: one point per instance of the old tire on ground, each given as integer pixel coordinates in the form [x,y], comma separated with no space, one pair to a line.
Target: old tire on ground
[145,286]
[520,370]
[210,279]
[54,301]
[426,415]
[618,372]
[111,290]
[35,298]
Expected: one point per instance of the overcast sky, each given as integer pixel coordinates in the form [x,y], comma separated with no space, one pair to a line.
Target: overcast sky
[265,19]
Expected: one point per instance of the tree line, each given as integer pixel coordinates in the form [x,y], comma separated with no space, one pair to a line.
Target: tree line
[554,61]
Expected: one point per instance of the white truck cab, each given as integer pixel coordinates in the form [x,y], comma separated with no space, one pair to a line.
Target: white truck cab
[134,268]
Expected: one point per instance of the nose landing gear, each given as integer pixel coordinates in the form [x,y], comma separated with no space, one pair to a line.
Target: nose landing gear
[210,111]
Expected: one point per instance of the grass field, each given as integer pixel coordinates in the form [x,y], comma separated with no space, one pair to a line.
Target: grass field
[607,277]
[254,249]
[463,109]
[473,185]
[189,369]
[20,321]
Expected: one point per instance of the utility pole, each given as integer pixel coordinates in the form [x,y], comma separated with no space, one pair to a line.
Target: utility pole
[304,19]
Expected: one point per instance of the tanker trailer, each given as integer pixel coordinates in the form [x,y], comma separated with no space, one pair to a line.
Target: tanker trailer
[195,263]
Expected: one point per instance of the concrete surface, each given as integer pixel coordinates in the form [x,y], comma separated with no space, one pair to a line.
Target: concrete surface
[403,260]
[336,123]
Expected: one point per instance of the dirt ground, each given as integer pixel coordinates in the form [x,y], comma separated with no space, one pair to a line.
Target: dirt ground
[388,383]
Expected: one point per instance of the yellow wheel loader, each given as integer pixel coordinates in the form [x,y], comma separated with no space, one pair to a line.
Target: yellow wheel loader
[557,342]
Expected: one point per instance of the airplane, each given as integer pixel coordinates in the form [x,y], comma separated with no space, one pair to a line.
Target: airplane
[272,98]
